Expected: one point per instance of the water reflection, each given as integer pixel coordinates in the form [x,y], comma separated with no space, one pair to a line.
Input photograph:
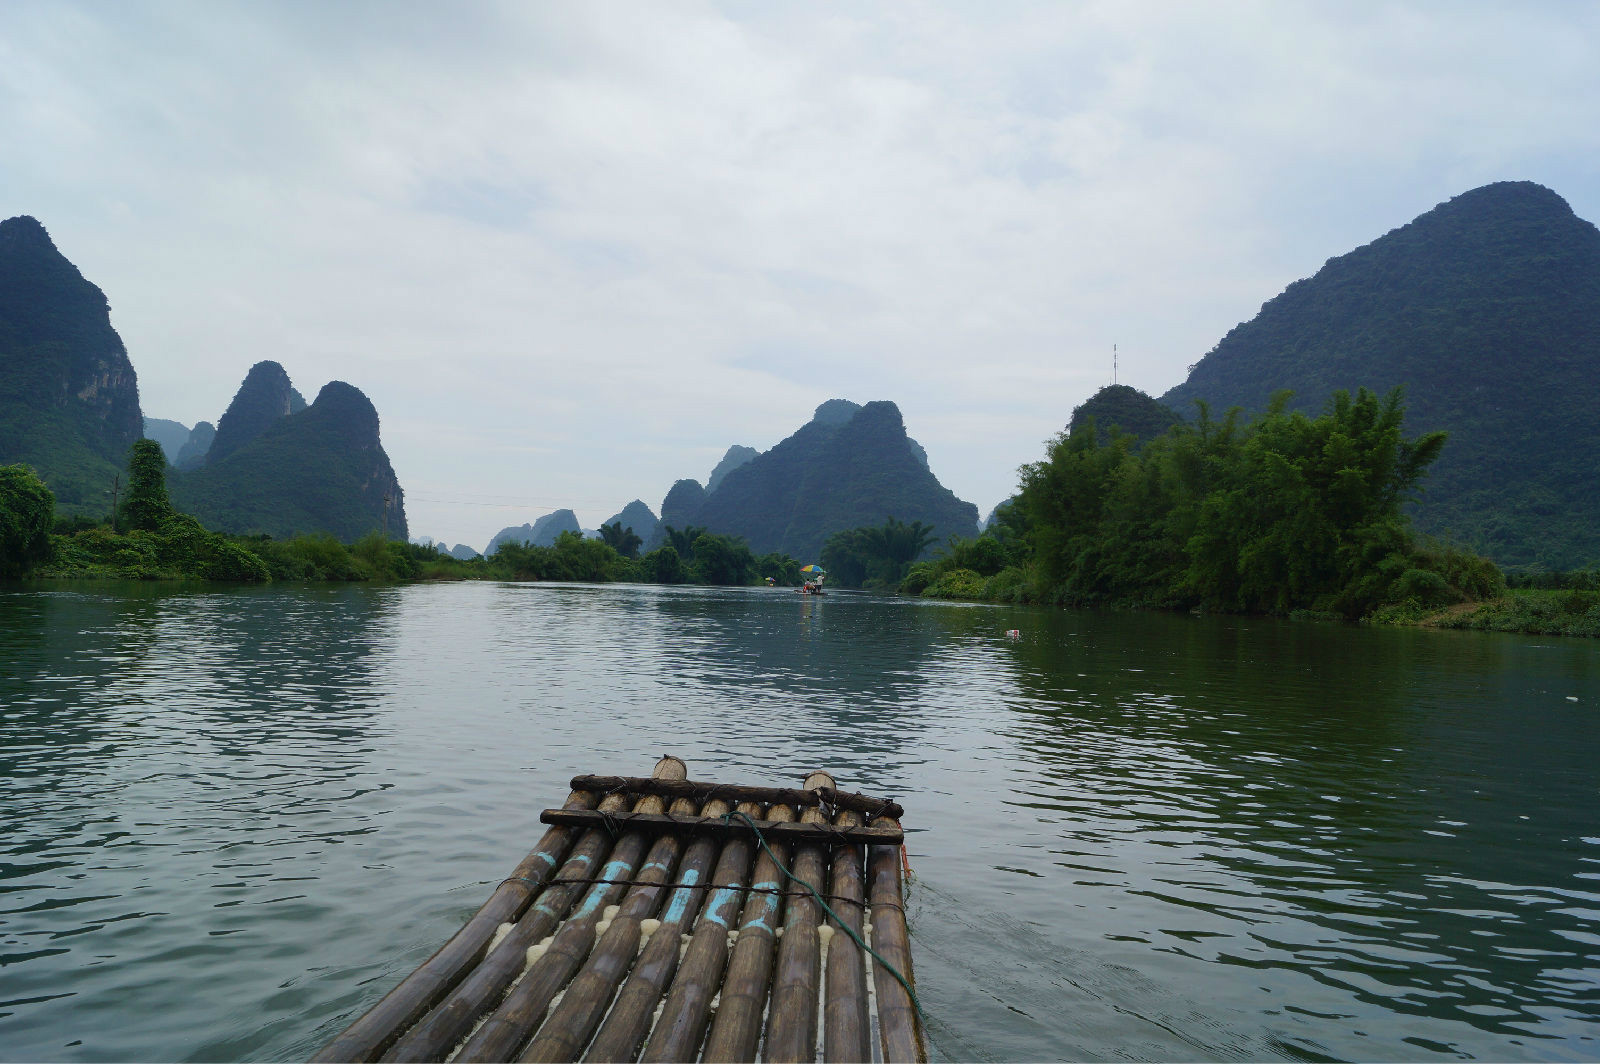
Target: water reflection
[1348,811]
[152,746]
[234,820]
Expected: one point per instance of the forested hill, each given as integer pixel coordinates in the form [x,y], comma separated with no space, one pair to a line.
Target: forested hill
[1127,409]
[69,399]
[322,469]
[1487,310]
[265,396]
[846,468]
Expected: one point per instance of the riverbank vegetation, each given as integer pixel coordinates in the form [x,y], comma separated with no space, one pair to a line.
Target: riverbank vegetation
[146,538]
[1283,514]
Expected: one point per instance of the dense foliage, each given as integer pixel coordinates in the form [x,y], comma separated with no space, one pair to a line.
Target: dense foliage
[876,557]
[27,512]
[1487,310]
[625,541]
[1286,513]
[147,506]
[693,555]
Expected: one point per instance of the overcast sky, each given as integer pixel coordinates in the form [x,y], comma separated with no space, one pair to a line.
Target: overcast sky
[573,251]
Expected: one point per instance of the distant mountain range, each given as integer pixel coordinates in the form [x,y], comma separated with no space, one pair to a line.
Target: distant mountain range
[69,407]
[171,435]
[1486,310]
[848,467]
[542,533]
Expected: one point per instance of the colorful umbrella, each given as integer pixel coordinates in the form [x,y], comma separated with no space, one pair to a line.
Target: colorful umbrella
[813,570]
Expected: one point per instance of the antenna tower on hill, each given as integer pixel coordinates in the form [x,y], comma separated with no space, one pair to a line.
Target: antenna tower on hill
[1113,364]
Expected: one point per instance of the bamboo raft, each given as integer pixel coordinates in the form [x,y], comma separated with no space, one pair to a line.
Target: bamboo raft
[661,919]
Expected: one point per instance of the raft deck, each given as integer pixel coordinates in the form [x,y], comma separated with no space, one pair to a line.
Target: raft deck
[664,919]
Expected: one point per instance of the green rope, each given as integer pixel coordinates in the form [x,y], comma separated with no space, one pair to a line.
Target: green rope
[891,969]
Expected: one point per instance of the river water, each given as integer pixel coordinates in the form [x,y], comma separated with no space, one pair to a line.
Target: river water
[229,822]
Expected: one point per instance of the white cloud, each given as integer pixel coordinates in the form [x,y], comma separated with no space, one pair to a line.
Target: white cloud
[573,252]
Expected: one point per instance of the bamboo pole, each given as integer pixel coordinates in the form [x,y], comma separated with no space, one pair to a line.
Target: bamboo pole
[451,1020]
[866,805]
[628,1023]
[525,1006]
[807,833]
[846,1031]
[898,1026]
[792,1018]
[380,1026]
[736,1028]
[687,1011]
[573,1021]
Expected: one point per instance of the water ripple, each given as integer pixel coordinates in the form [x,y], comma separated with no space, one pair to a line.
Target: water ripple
[232,821]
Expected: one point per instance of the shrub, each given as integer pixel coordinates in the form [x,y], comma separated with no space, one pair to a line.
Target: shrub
[27,513]
[1425,587]
[957,584]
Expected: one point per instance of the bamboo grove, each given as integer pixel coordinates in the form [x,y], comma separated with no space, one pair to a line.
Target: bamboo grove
[1284,513]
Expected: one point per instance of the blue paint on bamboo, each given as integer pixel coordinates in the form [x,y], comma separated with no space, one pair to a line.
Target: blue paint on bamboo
[768,916]
[718,910]
[680,899]
[614,870]
[583,861]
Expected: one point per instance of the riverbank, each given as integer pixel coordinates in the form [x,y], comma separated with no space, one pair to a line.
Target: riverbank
[1527,611]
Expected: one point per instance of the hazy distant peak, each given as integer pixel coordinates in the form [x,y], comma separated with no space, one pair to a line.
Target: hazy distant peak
[737,456]
[836,412]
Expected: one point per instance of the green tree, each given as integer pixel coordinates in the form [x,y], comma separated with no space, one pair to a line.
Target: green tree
[664,566]
[625,541]
[722,559]
[876,556]
[147,506]
[682,542]
[783,570]
[846,556]
[1289,512]
[27,513]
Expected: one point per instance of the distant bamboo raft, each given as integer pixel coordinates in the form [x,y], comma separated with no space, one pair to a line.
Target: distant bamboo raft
[655,921]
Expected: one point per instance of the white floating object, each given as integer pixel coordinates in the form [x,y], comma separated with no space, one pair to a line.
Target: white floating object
[499,935]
